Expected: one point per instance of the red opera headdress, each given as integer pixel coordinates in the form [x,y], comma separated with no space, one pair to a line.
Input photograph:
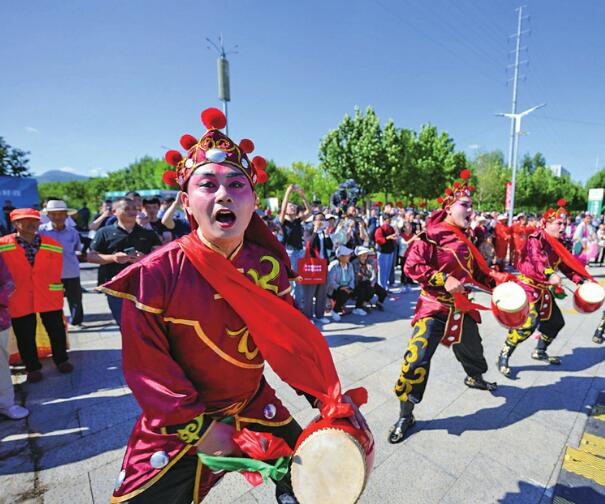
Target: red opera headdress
[560,213]
[213,147]
[460,189]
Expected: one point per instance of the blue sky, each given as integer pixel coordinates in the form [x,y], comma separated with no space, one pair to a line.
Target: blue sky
[90,86]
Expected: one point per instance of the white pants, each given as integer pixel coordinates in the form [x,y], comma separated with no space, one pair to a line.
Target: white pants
[7,392]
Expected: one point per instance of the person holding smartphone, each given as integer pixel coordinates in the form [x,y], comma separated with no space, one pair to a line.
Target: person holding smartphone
[117,246]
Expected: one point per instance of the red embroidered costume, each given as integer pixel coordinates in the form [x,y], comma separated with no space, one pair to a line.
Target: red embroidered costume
[197,328]
[442,251]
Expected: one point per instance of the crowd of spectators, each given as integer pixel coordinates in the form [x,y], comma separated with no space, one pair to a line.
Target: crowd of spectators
[362,247]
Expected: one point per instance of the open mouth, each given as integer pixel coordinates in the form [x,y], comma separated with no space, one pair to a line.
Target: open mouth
[225,218]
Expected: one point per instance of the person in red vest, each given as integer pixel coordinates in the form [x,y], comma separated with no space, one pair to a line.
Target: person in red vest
[503,237]
[35,263]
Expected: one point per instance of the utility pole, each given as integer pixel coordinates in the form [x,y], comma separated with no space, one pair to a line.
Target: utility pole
[514,137]
[222,64]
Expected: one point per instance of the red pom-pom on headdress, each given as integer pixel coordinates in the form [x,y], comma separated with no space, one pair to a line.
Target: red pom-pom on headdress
[246,145]
[440,200]
[188,141]
[562,202]
[456,184]
[448,191]
[169,178]
[471,188]
[173,157]
[465,174]
[259,162]
[213,118]
[262,177]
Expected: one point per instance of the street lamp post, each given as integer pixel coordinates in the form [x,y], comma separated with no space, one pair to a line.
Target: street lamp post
[516,118]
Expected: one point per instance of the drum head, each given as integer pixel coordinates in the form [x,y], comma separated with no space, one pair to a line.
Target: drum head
[509,297]
[329,467]
[591,292]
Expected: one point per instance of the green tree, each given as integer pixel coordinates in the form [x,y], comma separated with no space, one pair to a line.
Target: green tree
[491,176]
[354,150]
[435,162]
[13,161]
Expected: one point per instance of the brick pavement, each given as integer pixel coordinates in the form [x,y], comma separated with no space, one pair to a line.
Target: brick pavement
[468,446]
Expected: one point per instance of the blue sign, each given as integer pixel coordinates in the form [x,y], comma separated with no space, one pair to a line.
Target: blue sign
[22,192]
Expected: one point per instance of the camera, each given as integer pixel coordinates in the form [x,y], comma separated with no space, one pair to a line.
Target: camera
[347,194]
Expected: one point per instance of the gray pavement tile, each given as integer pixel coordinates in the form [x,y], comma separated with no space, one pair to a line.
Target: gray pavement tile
[363,364]
[15,485]
[407,476]
[75,489]
[486,480]
[232,488]
[527,446]
[103,479]
[100,416]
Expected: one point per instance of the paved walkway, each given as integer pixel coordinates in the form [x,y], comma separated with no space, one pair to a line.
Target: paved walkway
[468,446]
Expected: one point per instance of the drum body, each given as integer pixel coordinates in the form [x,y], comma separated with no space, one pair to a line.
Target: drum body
[588,297]
[331,463]
[510,305]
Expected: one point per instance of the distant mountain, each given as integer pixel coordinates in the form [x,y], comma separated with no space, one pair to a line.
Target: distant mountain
[59,176]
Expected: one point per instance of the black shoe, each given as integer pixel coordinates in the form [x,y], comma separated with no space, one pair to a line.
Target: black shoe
[479,383]
[598,338]
[541,355]
[397,432]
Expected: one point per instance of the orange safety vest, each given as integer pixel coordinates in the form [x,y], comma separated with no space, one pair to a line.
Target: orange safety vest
[38,287]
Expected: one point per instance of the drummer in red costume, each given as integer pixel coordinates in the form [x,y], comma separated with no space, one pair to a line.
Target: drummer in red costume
[503,238]
[538,262]
[442,260]
[201,316]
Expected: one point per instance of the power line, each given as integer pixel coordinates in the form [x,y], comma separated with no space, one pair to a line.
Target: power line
[576,121]
[432,39]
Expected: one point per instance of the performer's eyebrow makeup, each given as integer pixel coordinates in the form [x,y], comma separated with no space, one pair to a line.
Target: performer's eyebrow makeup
[229,175]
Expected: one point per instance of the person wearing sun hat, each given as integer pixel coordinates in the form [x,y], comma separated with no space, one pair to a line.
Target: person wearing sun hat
[341,282]
[538,262]
[201,316]
[69,238]
[442,260]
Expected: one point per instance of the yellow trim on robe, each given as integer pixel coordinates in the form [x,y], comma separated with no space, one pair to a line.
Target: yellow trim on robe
[132,298]
[198,479]
[260,421]
[200,332]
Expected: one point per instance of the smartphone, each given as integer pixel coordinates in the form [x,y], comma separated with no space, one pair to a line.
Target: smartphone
[130,251]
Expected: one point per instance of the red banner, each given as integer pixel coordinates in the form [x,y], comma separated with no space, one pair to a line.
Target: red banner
[508,199]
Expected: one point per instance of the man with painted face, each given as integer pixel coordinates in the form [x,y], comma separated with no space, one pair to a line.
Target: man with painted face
[538,262]
[442,260]
[200,318]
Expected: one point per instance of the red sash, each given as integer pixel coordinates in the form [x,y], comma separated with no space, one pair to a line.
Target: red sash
[568,259]
[293,346]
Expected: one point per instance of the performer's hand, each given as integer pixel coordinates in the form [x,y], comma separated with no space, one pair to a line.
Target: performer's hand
[121,257]
[453,285]
[555,280]
[218,440]
[357,420]
[499,277]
